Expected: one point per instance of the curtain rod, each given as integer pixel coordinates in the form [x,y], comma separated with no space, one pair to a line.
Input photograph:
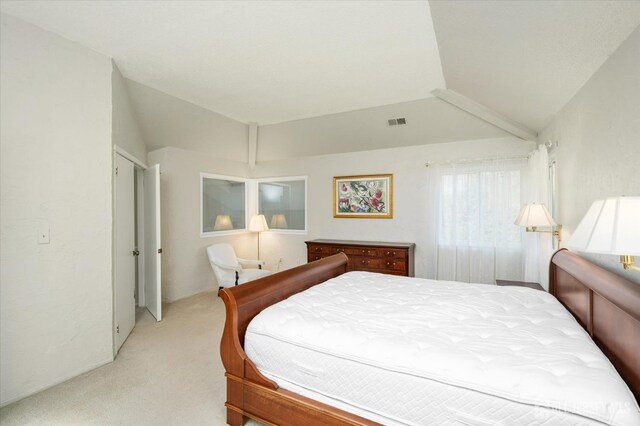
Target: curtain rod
[475,160]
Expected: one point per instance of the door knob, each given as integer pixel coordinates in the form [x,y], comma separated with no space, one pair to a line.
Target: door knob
[136,252]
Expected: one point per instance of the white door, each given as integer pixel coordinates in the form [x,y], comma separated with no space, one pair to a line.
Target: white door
[124,290]
[152,248]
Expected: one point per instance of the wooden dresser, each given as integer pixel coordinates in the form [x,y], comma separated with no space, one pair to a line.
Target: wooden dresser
[373,256]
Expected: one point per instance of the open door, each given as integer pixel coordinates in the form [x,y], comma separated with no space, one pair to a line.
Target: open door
[124,306]
[152,248]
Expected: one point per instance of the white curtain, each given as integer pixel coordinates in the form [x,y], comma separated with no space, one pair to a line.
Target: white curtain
[472,208]
[538,247]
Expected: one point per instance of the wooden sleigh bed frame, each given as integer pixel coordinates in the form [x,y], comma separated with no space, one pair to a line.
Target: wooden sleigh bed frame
[605,304]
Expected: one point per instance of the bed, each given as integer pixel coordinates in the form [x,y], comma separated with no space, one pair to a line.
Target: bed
[430,382]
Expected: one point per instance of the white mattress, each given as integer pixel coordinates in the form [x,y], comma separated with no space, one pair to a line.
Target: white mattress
[403,350]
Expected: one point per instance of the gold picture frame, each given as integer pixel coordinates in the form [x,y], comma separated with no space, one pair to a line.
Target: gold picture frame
[363,196]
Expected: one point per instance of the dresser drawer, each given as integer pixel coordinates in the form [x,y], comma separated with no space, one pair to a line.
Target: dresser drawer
[315,256]
[393,253]
[320,249]
[372,256]
[393,264]
[359,263]
[361,251]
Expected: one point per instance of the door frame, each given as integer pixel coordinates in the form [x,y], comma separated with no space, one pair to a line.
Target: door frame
[138,165]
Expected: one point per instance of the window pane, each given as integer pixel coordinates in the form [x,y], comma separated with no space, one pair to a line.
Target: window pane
[283,204]
[477,209]
[223,205]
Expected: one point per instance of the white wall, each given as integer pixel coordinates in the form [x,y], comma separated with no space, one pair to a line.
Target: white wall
[598,133]
[428,121]
[55,162]
[185,268]
[409,195]
[168,121]
[126,132]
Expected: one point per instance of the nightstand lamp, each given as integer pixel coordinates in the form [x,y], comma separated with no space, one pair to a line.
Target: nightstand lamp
[611,226]
[534,216]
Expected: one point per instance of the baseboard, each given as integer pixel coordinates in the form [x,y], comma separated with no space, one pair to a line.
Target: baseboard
[56,383]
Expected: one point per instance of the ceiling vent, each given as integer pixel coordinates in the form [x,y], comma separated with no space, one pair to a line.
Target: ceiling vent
[397,121]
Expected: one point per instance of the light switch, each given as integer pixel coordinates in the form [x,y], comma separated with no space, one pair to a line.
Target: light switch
[43,233]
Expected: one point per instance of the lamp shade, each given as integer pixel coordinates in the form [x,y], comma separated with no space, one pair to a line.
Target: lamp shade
[534,215]
[279,221]
[611,226]
[223,223]
[258,223]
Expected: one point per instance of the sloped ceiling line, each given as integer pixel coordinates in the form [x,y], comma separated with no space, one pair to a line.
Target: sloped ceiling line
[487,114]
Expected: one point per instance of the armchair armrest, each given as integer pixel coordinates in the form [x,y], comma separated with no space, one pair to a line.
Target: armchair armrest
[223,266]
[259,263]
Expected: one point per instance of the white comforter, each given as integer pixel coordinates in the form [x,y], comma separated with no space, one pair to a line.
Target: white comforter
[514,343]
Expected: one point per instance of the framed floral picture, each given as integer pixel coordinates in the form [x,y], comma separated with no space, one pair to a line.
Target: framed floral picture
[368,196]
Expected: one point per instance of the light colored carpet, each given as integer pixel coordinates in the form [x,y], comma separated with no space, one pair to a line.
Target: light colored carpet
[167,373]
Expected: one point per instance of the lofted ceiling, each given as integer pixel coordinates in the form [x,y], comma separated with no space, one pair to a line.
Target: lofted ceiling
[271,62]
[526,59]
[165,120]
[255,61]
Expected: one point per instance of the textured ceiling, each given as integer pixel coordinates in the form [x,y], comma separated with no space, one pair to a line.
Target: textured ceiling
[271,62]
[259,61]
[526,59]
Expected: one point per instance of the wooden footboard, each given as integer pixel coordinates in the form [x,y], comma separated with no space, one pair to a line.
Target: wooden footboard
[249,393]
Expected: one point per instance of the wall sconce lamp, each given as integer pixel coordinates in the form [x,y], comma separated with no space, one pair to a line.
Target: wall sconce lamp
[532,216]
[611,226]
[258,224]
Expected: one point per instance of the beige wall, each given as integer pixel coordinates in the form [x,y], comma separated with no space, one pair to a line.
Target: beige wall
[185,268]
[55,156]
[168,121]
[598,133]
[409,195]
[126,132]
[428,121]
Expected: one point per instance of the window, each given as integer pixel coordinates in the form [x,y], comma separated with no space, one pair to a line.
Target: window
[223,206]
[477,208]
[283,202]
[475,205]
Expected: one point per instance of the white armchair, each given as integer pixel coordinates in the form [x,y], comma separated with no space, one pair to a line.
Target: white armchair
[228,268]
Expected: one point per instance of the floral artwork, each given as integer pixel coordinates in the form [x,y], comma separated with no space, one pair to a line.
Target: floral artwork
[363,196]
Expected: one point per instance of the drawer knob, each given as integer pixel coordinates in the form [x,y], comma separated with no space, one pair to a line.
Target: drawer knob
[391,253]
[318,248]
[365,262]
[391,263]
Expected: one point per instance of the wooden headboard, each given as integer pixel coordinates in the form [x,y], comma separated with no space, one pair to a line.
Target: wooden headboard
[606,305]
